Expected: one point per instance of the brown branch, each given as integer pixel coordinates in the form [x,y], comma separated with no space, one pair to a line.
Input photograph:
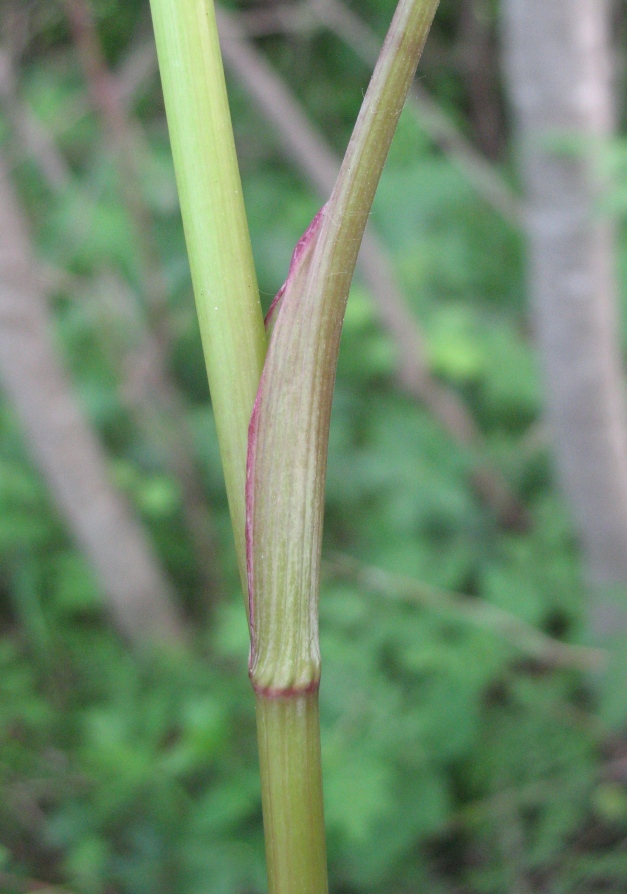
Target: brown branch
[478,55]
[124,140]
[148,389]
[135,71]
[310,154]
[30,135]
[477,612]
[67,450]
[355,33]
[9,881]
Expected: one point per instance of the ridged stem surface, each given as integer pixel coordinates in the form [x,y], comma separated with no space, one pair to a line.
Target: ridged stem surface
[288,729]
[216,230]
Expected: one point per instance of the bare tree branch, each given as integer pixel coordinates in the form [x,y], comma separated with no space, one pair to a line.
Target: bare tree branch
[28,131]
[65,448]
[148,389]
[353,31]
[477,46]
[477,612]
[9,881]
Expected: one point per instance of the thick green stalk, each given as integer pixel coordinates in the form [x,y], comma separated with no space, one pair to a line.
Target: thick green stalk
[352,198]
[291,786]
[290,426]
[287,467]
[216,231]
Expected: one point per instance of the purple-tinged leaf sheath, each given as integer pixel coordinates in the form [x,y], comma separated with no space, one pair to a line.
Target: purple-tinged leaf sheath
[288,436]
[283,515]
[303,245]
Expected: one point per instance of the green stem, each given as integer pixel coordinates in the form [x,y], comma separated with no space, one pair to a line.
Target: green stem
[287,493]
[216,230]
[352,197]
[288,729]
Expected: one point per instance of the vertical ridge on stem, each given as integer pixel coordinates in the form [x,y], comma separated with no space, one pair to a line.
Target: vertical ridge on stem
[216,230]
[288,439]
[288,730]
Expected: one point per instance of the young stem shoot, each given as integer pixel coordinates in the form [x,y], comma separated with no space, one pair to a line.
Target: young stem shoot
[289,429]
[216,230]
[287,458]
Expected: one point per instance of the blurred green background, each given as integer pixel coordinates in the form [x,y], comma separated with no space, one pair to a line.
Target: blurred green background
[462,751]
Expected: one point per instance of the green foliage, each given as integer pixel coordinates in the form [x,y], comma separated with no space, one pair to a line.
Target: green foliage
[451,762]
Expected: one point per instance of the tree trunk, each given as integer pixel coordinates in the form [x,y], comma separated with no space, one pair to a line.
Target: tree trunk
[66,449]
[558,64]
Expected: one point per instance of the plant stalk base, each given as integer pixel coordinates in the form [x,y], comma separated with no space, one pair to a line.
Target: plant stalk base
[288,729]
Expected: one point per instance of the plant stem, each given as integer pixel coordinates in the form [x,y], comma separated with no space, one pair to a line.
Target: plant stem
[290,425]
[288,448]
[287,469]
[216,230]
[288,730]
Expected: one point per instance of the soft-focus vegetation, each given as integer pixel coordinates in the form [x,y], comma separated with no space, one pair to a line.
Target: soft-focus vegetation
[455,758]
